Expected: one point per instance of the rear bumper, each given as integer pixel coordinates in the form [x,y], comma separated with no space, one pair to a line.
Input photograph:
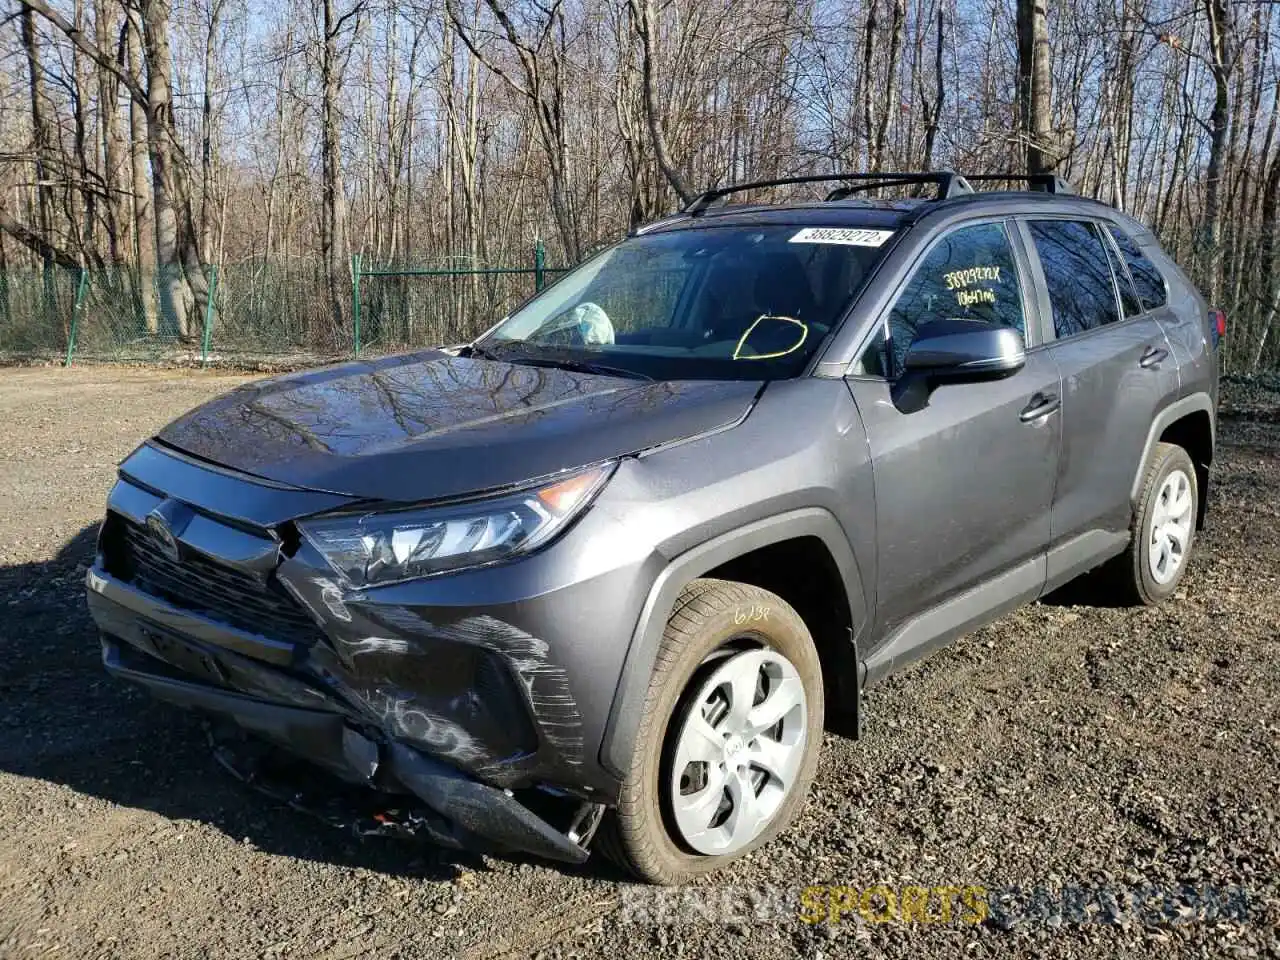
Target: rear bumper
[468,813]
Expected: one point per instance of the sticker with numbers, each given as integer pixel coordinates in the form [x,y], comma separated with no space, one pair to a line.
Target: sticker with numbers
[843,235]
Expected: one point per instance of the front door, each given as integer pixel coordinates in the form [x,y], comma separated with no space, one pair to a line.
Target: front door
[963,485]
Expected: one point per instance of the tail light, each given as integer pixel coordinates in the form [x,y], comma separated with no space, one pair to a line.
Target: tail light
[1218,324]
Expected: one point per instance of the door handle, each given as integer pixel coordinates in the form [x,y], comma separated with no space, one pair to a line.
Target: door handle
[1040,405]
[1152,356]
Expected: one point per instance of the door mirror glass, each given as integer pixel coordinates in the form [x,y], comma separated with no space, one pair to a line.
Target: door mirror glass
[956,350]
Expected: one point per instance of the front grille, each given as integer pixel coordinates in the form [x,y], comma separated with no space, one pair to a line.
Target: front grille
[205,586]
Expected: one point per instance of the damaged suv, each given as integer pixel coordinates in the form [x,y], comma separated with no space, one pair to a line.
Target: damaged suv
[616,563]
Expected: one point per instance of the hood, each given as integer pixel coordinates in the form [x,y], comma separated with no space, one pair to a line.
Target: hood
[431,426]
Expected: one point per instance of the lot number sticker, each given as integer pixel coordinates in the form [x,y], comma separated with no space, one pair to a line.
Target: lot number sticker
[842,235]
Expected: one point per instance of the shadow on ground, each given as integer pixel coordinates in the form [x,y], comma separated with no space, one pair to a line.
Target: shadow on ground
[63,720]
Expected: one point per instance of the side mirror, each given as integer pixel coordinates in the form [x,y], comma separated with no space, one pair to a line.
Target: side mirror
[958,350]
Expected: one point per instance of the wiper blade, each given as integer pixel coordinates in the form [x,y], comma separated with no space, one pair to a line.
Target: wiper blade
[476,350]
[582,366]
[604,369]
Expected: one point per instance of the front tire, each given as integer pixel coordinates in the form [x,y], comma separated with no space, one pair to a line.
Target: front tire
[729,739]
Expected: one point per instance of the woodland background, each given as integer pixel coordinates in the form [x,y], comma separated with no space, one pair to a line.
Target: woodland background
[159,148]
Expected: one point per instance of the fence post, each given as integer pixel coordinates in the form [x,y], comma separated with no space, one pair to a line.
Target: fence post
[211,293]
[81,287]
[355,301]
[539,266]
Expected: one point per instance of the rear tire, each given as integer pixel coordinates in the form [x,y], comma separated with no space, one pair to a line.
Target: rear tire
[719,632]
[1164,530]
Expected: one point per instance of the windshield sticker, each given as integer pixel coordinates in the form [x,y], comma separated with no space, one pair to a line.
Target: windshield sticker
[842,235]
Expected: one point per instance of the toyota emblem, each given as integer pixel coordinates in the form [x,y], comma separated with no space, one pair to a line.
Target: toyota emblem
[158,525]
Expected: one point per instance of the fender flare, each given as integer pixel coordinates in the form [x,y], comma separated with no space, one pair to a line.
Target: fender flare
[633,683]
[1193,403]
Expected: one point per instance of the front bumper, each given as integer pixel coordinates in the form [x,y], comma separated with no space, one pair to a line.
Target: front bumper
[444,689]
[469,813]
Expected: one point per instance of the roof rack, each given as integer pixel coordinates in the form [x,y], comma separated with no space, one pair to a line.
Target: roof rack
[1040,182]
[949,184]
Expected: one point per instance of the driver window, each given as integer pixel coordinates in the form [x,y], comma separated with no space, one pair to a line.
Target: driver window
[968,274]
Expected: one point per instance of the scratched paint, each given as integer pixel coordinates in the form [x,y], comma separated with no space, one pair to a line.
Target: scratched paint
[331,597]
[367,645]
[408,684]
[546,684]
[406,716]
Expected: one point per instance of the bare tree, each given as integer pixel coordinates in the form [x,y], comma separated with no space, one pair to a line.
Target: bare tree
[334,245]
[273,139]
[541,62]
[1035,86]
[644,22]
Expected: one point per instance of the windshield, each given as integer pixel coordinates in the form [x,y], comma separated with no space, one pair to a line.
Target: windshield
[731,303]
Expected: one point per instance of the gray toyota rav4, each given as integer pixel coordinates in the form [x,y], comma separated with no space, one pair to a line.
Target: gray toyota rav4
[604,575]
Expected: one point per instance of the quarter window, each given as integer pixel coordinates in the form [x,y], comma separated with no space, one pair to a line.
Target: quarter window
[1146,277]
[968,274]
[1077,275]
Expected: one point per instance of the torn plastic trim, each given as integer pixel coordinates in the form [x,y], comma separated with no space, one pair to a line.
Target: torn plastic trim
[475,808]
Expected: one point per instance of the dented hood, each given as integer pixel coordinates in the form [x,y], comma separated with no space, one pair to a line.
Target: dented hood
[431,425]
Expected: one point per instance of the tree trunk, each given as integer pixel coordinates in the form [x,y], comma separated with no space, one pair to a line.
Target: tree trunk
[182,284]
[644,20]
[106,26]
[82,203]
[1035,84]
[933,111]
[334,248]
[211,81]
[896,24]
[1220,53]
[144,223]
[42,138]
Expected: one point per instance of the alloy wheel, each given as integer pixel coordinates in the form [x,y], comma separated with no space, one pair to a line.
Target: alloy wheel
[738,751]
[1171,519]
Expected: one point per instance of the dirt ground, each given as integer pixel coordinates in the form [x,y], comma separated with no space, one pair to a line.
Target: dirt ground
[1066,746]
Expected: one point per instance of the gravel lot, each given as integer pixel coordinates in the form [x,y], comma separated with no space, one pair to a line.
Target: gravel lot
[1066,745]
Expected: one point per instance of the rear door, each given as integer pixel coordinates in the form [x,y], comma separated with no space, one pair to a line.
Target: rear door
[1116,369]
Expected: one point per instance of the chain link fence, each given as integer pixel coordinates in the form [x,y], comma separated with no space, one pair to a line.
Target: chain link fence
[254,313]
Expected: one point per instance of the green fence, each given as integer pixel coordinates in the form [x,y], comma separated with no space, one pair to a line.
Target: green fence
[254,312]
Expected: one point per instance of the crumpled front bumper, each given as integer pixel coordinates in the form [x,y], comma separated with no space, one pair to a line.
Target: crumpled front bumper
[196,663]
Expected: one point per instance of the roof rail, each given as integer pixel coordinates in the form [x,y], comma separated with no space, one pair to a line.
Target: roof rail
[1040,182]
[949,184]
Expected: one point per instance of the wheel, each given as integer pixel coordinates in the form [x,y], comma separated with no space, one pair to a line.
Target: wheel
[729,738]
[1164,529]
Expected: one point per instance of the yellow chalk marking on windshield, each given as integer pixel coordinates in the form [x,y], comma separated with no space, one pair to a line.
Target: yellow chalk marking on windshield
[959,279]
[804,335]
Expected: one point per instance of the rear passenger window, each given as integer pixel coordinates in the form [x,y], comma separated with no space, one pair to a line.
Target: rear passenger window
[968,274]
[1146,277]
[1077,274]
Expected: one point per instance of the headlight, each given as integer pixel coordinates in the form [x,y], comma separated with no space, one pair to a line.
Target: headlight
[377,548]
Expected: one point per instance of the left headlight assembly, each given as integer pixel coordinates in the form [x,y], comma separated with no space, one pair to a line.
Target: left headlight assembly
[377,548]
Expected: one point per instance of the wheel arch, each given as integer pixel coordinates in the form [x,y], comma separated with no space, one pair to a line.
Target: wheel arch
[1189,423]
[808,533]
